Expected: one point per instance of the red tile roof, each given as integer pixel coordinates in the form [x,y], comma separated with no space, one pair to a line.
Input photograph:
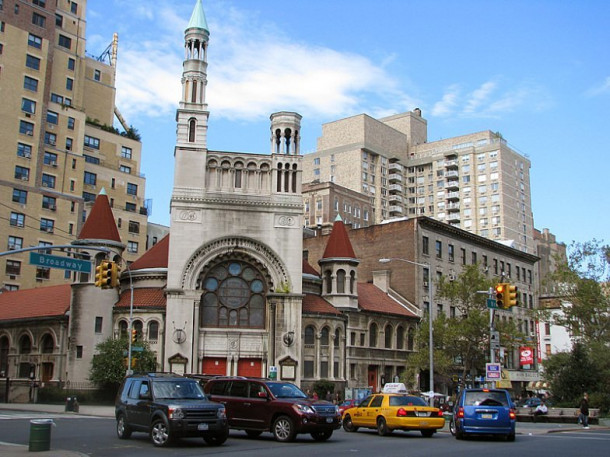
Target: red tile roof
[308,269]
[371,298]
[143,298]
[100,223]
[339,245]
[155,257]
[40,302]
[316,304]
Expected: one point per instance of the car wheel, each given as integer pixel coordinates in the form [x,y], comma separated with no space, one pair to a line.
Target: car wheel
[159,433]
[427,433]
[215,439]
[283,429]
[382,427]
[253,433]
[452,427]
[348,425]
[122,429]
[510,437]
[322,436]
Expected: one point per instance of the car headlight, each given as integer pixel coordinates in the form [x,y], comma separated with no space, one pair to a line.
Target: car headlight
[221,413]
[176,413]
[304,409]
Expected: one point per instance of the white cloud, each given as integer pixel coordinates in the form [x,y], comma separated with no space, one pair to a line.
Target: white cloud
[479,97]
[599,89]
[446,106]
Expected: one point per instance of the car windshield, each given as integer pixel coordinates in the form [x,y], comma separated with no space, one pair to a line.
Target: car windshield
[483,398]
[177,390]
[285,390]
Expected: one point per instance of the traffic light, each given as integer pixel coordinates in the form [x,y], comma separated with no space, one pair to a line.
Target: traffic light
[501,295]
[114,274]
[512,295]
[103,275]
[134,335]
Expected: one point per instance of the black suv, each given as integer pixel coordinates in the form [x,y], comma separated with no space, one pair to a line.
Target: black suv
[168,406]
[259,405]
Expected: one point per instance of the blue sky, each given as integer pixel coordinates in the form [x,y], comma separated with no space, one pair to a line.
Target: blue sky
[538,71]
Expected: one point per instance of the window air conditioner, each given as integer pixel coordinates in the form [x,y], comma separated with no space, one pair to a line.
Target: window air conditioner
[53,164]
[24,178]
[29,132]
[425,283]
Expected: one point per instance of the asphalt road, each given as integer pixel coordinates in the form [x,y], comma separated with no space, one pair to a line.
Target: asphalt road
[95,436]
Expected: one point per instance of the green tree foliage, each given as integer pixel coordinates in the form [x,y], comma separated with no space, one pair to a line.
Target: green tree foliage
[108,366]
[461,343]
[583,285]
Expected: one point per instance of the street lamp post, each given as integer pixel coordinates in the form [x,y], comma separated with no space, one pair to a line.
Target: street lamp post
[430,327]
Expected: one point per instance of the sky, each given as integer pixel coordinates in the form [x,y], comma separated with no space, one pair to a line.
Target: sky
[537,71]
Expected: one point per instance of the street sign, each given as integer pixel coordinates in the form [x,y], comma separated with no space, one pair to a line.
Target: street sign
[491,303]
[55,261]
[493,372]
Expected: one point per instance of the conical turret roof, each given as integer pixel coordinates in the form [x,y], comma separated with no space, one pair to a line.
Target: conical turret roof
[198,20]
[100,224]
[339,245]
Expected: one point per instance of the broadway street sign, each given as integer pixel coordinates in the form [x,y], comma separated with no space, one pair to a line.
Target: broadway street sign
[55,261]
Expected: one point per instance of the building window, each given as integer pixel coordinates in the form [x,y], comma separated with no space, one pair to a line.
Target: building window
[439,249]
[22,173]
[79,352]
[34,41]
[50,138]
[373,335]
[38,19]
[93,160]
[88,197]
[308,369]
[126,152]
[69,84]
[74,7]
[132,189]
[132,247]
[71,123]
[59,22]
[30,84]
[49,202]
[90,178]
[134,227]
[20,196]
[13,268]
[463,255]
[97,75]
[131,207]
[15,242]
[450,252]
[65,42]
[91,142]
[24,150]
[57,99]
[69,146]
[234,296]
[425,245]
[98,324]
[125,169]
[32,62]
[48,181]
[17,219]
[52,117]
[47,225]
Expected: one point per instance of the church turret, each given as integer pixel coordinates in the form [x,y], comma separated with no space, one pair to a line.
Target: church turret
[192,114]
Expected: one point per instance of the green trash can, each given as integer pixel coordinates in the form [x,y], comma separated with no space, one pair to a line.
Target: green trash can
[40,434]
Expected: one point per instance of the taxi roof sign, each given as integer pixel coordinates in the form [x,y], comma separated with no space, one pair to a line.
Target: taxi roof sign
[394,388]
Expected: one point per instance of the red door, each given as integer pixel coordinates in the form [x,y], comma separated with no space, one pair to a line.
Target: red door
[372,377]
[250,367]
[212,365]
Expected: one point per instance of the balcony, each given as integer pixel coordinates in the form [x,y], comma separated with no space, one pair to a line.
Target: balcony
[395,198]
[452,184]
[395,177]
[453,217]
[453,207]
[395,188]
[452,174]
[395,209]
[453,196]
[396,167]
[451,164]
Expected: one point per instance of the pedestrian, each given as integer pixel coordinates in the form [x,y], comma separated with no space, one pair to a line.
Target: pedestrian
[584,411]
[329,396]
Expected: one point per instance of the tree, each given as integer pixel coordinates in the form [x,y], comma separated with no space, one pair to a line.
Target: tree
[582,283]
[109,365]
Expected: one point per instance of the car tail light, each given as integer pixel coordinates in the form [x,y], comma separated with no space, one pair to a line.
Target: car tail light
[460,413]
[440,413]
[512,414]
[401,412]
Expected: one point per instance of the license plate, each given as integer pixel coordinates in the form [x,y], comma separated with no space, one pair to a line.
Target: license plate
[422,414]
[329,420]
[486,416]
[202,426]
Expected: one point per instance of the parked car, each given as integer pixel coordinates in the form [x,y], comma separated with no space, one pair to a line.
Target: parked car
[484,412]
[533,402]
[168,406]
[347,404]
[389,412]
[260,405]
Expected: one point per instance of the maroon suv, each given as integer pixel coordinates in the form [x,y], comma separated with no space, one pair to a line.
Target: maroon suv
[260,405]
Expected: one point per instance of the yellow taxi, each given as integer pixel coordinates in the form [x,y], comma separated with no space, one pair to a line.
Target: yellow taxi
[389,412]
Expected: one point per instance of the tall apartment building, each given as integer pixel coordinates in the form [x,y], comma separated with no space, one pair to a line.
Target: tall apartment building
[475,182]
[57,141]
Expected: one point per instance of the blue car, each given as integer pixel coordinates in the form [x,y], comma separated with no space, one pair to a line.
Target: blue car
[485,412]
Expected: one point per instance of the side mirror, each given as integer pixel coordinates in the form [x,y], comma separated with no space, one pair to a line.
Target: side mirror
[262,395]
